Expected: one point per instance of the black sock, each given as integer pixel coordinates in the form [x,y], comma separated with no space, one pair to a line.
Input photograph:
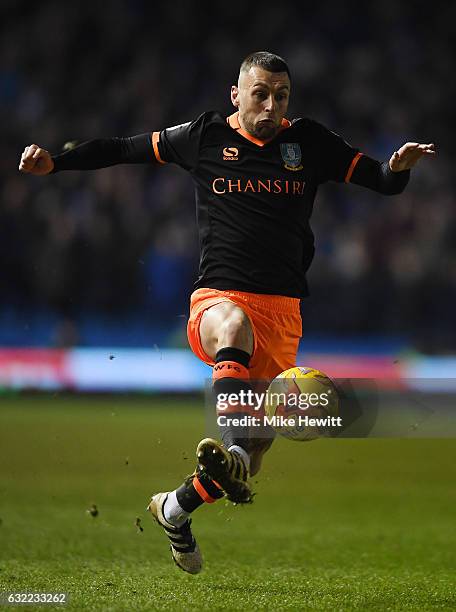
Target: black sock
[199,488]
[231,376]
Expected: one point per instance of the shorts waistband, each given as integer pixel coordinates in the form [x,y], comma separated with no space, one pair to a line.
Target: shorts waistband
[275,303]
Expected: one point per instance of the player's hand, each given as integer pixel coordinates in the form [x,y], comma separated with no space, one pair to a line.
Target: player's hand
[35,160]
[408,155]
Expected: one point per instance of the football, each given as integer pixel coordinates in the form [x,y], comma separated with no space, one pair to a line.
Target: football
[302,404]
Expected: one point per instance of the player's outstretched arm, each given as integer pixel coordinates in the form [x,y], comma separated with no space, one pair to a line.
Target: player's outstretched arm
[391,177]
[408,155]
[35,160]
[90,155]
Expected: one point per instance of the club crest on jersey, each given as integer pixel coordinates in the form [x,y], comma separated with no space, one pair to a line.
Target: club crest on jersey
[291,155]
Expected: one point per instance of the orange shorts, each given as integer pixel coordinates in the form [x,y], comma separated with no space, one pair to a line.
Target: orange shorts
[276,324]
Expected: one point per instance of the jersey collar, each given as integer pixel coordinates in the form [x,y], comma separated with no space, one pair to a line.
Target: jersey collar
[233,121]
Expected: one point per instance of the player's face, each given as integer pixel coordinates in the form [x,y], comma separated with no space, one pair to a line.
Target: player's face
[262,99]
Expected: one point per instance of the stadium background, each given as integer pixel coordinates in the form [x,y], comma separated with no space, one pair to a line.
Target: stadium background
[110,256]
[96,272]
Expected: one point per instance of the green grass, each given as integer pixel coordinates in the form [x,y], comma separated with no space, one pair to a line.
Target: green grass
[336,524]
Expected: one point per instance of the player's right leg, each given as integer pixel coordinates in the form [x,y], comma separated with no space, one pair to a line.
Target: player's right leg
[221,470]
[172,511]
[184,549]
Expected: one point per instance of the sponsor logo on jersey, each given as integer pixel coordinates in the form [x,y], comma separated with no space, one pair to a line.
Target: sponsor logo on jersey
[221,185]
[291,155]
[230,154]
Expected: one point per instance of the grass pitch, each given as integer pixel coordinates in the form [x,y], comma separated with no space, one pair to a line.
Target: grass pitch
[336,524]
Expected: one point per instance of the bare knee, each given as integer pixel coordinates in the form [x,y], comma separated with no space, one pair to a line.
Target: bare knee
[225,325]
[235,330]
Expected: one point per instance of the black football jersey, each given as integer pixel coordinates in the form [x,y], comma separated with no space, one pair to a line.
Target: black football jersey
[254,198]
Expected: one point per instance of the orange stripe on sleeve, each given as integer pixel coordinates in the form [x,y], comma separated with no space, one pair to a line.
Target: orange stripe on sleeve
[355,160]
[155,139]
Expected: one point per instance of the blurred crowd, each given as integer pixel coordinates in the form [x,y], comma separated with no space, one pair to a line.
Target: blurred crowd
[123,240]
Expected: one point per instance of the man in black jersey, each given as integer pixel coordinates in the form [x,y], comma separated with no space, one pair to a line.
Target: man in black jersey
[256,176]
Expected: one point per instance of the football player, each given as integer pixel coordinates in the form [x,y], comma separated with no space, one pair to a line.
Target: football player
[256,175]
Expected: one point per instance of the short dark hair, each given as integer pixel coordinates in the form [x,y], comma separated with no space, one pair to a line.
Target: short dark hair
[267,61]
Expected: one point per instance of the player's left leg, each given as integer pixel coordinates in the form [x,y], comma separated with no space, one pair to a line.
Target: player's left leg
[275,323]
[227,337]
[278,328]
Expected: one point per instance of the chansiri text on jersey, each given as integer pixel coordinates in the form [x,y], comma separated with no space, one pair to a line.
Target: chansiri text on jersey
[221,185]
